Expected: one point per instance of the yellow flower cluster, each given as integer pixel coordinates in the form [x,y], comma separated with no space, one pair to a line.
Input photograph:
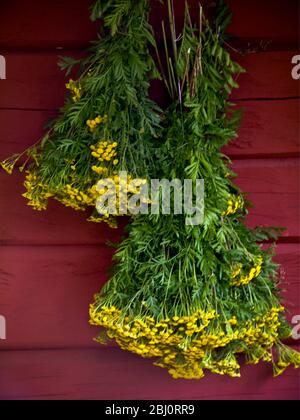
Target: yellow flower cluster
[191,370]
[9,164]
[72,197]
[118,191]
[79,200]
[93,124]
[234,204]
[75,88]
[104,151]
[108,219]
[286,358]
[239,279]
[188,345]
[169,331]
[100,170]
[36,192]
[227,366]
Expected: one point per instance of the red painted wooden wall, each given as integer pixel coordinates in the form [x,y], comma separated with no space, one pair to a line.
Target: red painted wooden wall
[52,263]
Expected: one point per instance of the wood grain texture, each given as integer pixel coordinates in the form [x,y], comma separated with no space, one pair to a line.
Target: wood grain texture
[268,129]
[45,292]
[272,185]
[108,374]
[268,75]
[34,80]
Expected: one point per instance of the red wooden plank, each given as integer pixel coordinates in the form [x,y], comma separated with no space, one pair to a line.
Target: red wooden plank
[45,292]
[272,21]
[59,225]
[35,81]
[21,129]
[114,375]
[33,28]
[32,25]
[268,75]
[288,256]
[51,24]
[268,128]
[273,186]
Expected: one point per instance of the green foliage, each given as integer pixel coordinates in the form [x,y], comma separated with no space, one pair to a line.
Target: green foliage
[223,17]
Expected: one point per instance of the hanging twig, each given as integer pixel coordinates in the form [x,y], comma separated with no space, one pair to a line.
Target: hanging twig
[200,34]
[167,60]
[196,72]
[173,75]
[187,68]
[198,69]
[173,68]
[172,28]
[162,70]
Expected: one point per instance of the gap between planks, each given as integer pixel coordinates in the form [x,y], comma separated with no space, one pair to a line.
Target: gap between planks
[289,240]
[238,100]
